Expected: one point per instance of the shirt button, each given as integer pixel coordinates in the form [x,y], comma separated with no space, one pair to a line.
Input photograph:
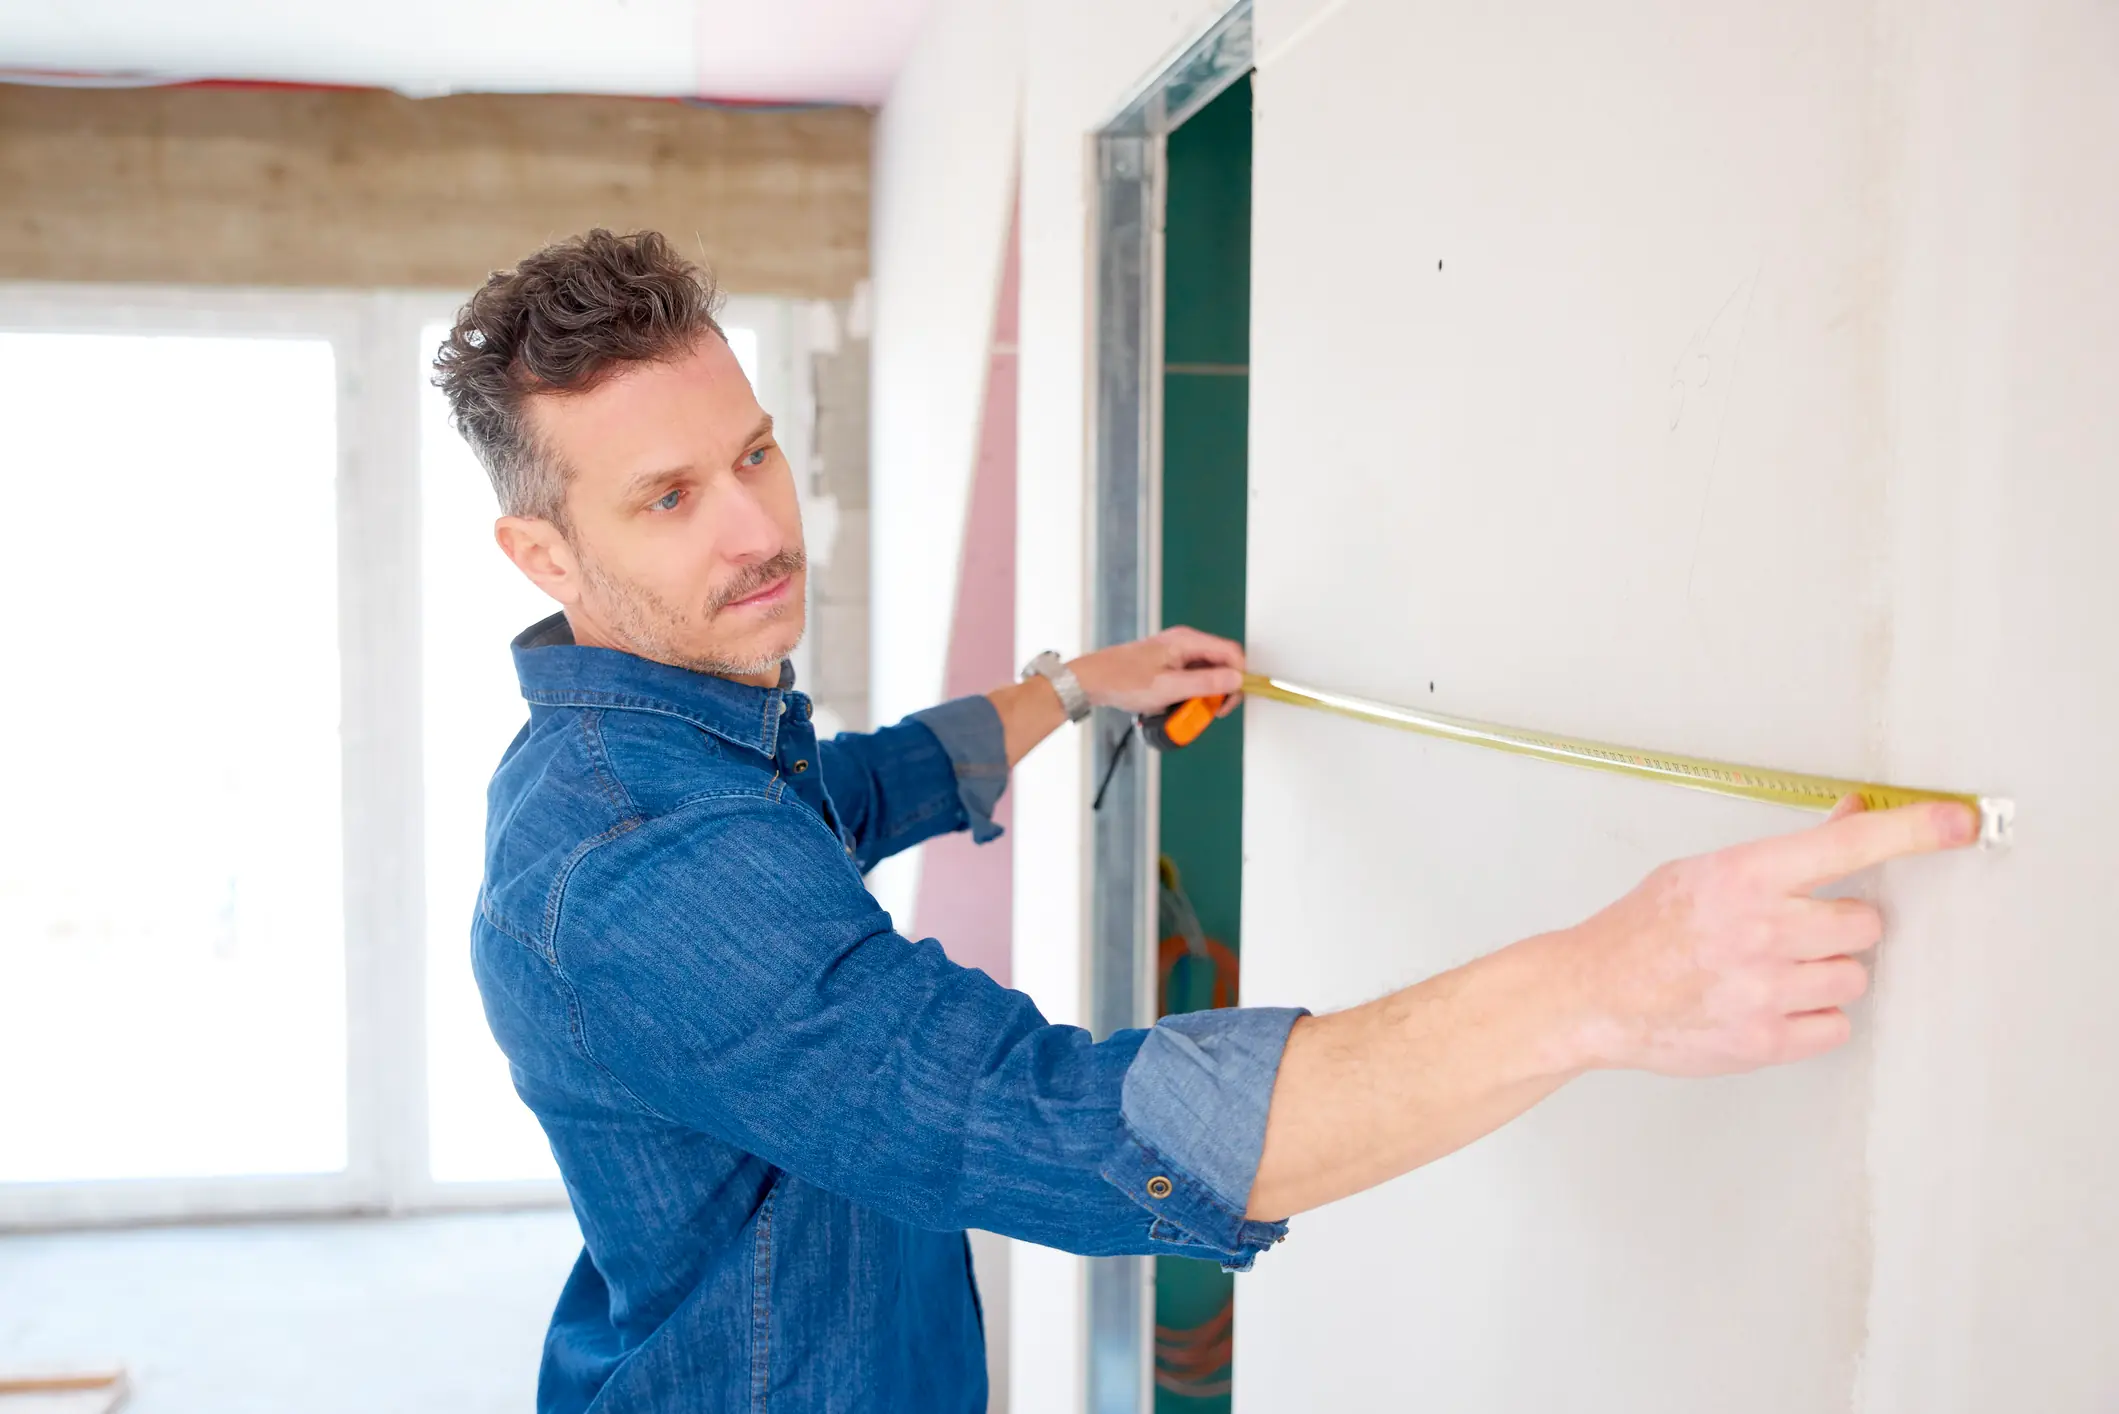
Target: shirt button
[783,706]
[800,767]
[1158,1187]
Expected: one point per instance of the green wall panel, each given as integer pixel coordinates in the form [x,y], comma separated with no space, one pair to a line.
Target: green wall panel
[1205,416]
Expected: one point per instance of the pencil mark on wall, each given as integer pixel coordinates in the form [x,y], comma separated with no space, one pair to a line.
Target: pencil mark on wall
[1716,340]
[1698,399]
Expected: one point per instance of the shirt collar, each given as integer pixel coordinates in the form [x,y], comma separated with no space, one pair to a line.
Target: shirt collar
[555,671]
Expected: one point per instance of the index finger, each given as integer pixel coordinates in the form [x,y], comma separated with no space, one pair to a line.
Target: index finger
[1194,649]
[1852,843]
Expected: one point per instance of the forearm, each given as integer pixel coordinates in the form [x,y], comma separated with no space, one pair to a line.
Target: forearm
[1030,711]
[1373,1092]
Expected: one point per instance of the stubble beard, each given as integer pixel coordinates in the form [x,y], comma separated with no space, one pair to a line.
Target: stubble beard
[652,627]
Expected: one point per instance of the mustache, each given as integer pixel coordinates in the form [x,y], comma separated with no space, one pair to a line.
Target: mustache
[757,577]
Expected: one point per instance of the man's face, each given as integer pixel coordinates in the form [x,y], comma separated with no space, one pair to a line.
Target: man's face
[685,539]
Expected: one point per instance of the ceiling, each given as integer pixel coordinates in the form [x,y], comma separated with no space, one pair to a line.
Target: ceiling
[816,51]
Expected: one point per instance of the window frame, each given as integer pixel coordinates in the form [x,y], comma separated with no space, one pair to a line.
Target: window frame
[369,607]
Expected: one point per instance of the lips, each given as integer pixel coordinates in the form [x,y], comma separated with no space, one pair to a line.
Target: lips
[771,594]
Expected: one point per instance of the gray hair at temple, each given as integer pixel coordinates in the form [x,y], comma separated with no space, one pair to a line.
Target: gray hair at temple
[561,322]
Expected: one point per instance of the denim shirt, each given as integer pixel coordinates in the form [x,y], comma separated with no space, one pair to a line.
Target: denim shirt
[774,1115]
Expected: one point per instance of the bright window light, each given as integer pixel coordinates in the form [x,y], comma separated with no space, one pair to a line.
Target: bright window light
[743,343]
[474,602]
[172,946]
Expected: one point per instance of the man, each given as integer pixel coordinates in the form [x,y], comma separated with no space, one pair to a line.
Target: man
[775,1115]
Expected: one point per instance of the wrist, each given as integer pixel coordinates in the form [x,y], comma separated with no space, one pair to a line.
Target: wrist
[1564,1033]
[1073,695]
[1109,677]
[1090,671]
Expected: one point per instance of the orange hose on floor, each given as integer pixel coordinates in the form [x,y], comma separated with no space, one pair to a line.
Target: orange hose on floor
[1187,1359]
[1194,1361]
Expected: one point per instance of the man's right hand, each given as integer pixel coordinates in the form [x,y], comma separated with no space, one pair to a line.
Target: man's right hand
[1727,962]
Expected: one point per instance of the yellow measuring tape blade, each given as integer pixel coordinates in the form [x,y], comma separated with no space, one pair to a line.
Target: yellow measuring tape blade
[1804,791]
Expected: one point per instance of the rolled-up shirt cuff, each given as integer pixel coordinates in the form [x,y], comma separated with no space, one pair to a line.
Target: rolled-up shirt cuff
[1194,1103]
[969,729]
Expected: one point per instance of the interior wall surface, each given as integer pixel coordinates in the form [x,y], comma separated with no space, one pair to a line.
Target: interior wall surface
[945,171]
[945,154]
[1731,380]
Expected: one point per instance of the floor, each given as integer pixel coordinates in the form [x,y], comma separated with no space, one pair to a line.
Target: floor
[357,1316]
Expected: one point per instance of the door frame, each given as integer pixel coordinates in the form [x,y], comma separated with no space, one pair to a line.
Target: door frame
[1125,579]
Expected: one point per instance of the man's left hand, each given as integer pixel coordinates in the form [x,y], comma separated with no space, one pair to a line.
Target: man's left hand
[1159,672]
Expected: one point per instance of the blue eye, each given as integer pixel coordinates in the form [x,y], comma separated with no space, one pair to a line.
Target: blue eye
[756,458]
[669,502]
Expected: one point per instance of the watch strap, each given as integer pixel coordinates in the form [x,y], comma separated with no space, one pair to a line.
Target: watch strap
[1053,668]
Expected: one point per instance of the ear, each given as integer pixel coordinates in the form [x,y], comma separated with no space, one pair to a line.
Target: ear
[542,554]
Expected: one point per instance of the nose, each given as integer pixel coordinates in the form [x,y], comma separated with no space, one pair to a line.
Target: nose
[745,530]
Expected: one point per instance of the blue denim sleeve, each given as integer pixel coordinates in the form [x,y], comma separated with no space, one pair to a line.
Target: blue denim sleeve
[969,730]
[935,772]
[731,973]
[1195,1102]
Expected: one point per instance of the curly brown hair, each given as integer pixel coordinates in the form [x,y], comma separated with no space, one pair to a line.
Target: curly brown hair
[562,321]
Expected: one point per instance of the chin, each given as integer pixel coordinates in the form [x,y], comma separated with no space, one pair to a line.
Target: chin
[766,646]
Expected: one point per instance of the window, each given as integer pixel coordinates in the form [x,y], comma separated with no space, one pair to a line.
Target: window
[246,793]
[170,932]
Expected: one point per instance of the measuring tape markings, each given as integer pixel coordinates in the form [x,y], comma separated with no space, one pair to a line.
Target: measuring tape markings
[1997,816]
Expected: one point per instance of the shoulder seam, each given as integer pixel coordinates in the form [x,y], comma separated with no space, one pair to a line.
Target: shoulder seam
[555,896]
[614,789]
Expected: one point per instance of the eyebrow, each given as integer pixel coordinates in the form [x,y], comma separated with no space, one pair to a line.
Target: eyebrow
[643,482]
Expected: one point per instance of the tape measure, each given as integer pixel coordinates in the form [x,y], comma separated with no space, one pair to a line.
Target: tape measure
[1997,816]
[1180,726]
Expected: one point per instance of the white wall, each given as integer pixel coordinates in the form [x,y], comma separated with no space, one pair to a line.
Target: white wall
[945,166]
[945,154]
[1760,408]
[1994,1146]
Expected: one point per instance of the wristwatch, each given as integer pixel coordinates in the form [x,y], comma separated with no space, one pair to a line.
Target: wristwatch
[1053,669]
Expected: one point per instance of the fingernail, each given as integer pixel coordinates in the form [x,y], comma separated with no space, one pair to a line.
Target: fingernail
[1961,825]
